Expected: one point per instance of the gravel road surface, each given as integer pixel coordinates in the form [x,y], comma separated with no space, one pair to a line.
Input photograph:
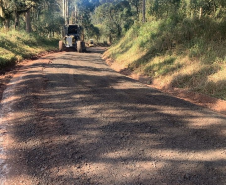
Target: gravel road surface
[69,119]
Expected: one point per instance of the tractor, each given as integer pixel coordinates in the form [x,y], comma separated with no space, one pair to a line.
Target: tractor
[73,38]
[91,43]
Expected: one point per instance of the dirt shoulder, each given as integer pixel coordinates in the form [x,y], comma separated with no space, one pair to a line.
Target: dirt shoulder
[7,73]
[203,100]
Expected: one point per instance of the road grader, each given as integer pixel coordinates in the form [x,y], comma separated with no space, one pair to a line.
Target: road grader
[73,38]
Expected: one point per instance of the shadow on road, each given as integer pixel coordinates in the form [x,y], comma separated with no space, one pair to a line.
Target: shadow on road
[82,123]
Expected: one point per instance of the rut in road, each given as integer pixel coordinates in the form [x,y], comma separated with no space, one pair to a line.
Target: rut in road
[73,120]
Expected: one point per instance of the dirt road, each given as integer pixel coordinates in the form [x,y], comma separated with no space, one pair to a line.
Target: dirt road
[68,119]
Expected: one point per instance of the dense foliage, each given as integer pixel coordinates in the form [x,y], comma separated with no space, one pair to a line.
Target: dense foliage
[106,19]
[40,16]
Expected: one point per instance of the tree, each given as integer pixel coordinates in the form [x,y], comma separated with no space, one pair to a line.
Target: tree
[93,32]
[136,4]
[12,10]
[115,17]
[84,8]
[6,11]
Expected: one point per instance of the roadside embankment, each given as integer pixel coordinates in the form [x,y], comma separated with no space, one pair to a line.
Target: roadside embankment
[16,46]
[184,58]
[185,54]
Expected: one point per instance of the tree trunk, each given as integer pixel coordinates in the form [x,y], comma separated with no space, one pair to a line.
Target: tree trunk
[118,30]
[28,21]
[2,14]
[67,13]
[144,19]
[17,23]
[63,2]
[6,24]
[137,11]
[109,39]
[200,13]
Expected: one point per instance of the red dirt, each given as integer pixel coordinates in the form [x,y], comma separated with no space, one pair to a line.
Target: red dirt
[7,73]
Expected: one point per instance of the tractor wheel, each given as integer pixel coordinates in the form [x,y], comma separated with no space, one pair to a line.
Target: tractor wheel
[61,46]
[79,46]
[83,44]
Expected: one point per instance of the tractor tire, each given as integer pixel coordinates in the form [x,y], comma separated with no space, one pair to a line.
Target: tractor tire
[83,44]
[61,46]
[79,46]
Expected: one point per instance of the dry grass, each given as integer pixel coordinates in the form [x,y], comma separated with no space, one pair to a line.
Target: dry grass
[16,46]
[199,67]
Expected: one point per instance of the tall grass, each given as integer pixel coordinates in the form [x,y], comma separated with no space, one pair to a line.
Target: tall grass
[176,52]
[16,46]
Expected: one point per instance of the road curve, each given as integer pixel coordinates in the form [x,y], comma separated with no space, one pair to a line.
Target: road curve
[68,118]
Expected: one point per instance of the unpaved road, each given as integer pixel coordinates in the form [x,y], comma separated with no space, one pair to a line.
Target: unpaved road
[68,118]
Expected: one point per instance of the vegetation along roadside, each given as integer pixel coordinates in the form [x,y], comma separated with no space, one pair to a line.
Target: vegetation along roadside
[18,45]
[177,52]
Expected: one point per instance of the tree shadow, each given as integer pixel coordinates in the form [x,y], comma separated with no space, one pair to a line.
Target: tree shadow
[199,82]
[82,123]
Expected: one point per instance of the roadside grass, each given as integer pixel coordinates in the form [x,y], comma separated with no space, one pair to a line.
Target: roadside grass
[178,53]
[18,45]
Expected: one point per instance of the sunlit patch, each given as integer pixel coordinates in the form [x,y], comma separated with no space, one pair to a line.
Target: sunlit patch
[223,133]
[190,118]
[12,116]
[117,154]
[219,106]
[204,122]
[151,165]
[218,76]
[117,172]
[21,180]
[191,156]
[10,99]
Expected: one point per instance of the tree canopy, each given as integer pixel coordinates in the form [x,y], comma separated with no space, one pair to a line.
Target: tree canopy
[111,18]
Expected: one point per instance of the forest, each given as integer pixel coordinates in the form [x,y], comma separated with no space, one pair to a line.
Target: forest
[180,43]
[108,18]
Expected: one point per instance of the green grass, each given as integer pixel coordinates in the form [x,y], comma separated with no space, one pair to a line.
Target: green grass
[181,53]
[16,46]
